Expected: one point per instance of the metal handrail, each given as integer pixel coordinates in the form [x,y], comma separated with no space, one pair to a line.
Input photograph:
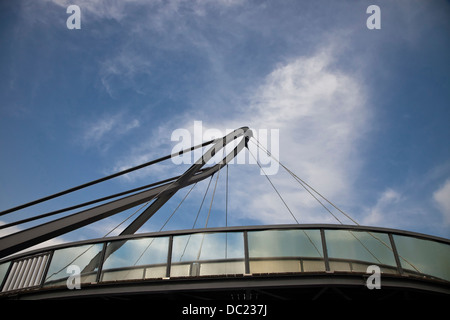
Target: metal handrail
[233,229]
[245,230]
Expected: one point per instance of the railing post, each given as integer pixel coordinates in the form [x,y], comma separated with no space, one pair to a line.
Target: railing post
[169,257]
[325,250]
[246,256]
[396,256]
[100,263]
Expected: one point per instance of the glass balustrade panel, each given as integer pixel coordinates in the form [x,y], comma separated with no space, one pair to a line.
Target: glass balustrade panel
[3,270]
[354,251]
[203,254]
[280,251]
[80,263]
[423,256]
[144,258]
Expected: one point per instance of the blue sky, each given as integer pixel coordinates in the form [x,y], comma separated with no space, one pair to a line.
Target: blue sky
[363,115]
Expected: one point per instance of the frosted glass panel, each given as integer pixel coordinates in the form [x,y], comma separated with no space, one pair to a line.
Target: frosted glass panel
[424,256]
[217,268]
[3,269]
[285,243]
[86,258]
[275,266]
[372,247]
[204,254]
[208,246]
[124,258]
[136,252]
[123,274]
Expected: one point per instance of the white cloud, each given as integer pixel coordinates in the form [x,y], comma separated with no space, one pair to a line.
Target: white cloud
[382,211]
[322,114]
[320,110]
[154,27]
[98,130]
[122,68]
[442,199]
[100,8]
[165,9]
[156,145]
[102,132]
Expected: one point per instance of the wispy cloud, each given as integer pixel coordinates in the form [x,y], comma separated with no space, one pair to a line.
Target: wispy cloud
[154,145]
[321,108]
[100,8]
[150,31]
[442,199]
[160,12]
[120,70]
[322,115]
[103,132]
[385,204]
[419,203]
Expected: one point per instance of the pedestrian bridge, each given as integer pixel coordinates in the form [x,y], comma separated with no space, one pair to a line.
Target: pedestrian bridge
[278,261]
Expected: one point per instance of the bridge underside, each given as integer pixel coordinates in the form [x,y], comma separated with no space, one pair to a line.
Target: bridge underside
[341,286]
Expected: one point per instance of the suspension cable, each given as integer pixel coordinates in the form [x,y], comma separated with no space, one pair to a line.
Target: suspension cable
[274,187]
[201,204]
[126,219]
[209,213]
[168,185]
[84,204]
[309,238]
[91,246]
[167,220]
[198,213]
[226,215]
[303,183]
[212,198]
[178,206]
[226,200]
[114,175]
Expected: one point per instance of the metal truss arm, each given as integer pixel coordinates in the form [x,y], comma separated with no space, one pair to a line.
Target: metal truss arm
[24,239]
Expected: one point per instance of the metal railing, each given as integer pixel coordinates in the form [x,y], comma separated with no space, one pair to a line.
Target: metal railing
[231,251]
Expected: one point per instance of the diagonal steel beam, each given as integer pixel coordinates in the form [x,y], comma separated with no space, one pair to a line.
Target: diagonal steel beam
[24,239]
[166,195]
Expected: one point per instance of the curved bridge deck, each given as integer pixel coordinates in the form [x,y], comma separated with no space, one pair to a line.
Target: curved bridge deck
[278,261]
